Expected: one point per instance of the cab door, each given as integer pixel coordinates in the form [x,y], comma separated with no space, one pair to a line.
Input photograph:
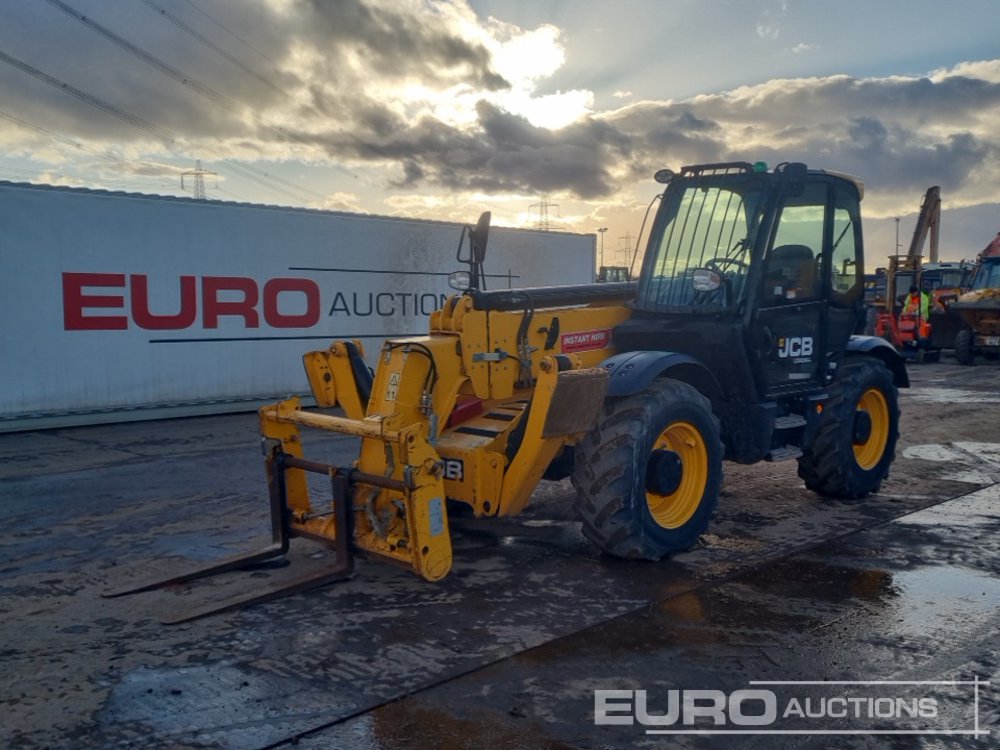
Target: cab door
[845,275]
[791,296]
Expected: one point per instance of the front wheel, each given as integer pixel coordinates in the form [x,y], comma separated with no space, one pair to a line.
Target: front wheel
[963,347]
[648,475]
[856,439]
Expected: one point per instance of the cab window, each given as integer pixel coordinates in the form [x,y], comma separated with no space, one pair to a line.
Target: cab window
[846,280]
[792,269]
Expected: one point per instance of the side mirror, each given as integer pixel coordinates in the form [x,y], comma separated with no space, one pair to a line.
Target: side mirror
[705,280]
[474,278]
[478,237]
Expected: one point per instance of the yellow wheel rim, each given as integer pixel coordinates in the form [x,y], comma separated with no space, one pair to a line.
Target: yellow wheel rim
[674,510]
[869,453]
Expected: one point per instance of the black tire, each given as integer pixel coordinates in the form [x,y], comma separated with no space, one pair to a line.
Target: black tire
[845,460]
[613,460]
[963,347]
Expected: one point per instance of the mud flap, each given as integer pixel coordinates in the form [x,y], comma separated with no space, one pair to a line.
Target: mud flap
[576,402]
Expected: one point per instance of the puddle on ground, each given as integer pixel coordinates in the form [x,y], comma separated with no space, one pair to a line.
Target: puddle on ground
[929,597]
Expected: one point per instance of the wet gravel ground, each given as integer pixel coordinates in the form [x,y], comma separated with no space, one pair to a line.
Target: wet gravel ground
[509,650]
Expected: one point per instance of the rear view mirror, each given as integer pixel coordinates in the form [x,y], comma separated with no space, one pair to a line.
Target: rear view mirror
[475,278]
[478,237]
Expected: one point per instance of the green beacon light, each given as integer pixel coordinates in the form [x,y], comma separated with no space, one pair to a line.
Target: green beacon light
[760,166]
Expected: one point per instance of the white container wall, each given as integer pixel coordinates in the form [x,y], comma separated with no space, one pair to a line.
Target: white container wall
[118,304]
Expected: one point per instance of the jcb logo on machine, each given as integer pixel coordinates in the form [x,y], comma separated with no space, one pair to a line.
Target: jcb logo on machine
[795,346]
[454,469]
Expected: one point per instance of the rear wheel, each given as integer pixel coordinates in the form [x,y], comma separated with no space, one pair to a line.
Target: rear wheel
[856,439]
[963,347]
[648,475]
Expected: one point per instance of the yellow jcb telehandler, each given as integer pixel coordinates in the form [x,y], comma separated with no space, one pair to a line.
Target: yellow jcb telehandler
[736,342]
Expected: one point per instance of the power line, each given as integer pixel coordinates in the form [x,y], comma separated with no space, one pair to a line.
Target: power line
[231,33]
[164,13]
[141,169]
[184,79]
[227,103]
[90,99]
[134,120]
[263,178]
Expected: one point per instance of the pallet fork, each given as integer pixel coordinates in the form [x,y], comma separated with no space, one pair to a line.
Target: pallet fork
[278,463]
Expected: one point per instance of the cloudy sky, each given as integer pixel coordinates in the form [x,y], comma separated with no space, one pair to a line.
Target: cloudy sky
[443,108]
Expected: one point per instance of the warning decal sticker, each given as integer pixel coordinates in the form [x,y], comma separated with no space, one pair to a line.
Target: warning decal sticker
[392,389]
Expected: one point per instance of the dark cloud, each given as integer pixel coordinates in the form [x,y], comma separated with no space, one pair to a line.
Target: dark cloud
[895,141]
[395,43]
[504,153]
[894,158]
[897,134]
[413,174]
[327,70]
[868,134]
[665,134]
[347,47]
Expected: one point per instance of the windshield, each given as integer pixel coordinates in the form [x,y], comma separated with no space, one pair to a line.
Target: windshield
[951,279]
[701,226]
[988,276]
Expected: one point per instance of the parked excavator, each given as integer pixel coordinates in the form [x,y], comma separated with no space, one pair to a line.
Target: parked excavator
[735,342]
[979,309]
[907,326]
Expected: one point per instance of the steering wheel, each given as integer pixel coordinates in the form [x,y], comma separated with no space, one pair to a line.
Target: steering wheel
[716,264]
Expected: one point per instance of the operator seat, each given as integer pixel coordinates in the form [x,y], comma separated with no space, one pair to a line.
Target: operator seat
[791,274]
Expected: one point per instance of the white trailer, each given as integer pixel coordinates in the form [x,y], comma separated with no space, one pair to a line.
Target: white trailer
[120,306]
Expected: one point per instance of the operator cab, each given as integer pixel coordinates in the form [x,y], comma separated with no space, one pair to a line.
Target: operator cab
[757,274]
[987,275]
